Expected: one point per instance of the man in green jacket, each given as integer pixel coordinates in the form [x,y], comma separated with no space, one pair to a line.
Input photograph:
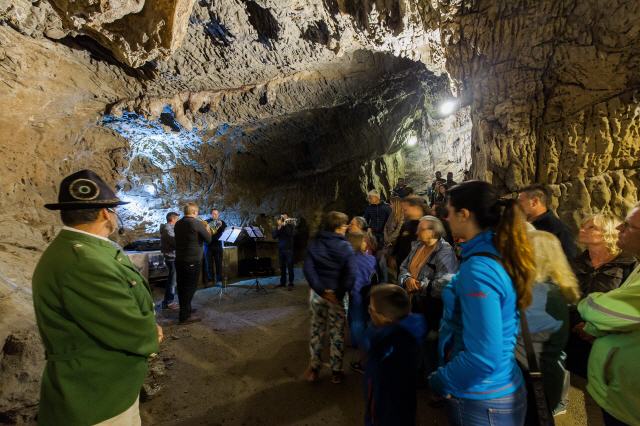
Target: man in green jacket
[614,319]
[94,311]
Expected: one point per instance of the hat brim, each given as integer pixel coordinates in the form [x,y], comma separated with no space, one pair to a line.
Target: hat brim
[76,205]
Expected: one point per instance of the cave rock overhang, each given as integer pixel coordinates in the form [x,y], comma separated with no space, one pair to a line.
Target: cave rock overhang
[255,147]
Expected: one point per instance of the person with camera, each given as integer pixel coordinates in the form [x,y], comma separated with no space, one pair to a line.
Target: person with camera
[284,233]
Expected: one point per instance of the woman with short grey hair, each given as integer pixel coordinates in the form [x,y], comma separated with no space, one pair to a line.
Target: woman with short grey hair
[431,262]
[429,267]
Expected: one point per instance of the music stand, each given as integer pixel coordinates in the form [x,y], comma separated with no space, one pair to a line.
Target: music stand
[255,234]
[230,235]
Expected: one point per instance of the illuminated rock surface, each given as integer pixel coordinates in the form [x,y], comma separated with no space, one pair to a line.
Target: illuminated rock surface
[303,105]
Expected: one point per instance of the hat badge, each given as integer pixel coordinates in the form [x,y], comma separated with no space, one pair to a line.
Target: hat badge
[84,189]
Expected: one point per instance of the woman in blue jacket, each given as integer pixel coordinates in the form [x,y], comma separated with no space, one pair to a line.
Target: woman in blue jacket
[479,376]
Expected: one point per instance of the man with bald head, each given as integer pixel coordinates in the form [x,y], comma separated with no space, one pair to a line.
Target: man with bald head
[613,318]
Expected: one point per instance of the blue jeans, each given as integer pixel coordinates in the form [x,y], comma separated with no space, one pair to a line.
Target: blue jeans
[509,410]
[170,286]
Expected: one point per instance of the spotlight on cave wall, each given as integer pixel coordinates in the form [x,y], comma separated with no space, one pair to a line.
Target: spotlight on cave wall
[412,140]
[448,107]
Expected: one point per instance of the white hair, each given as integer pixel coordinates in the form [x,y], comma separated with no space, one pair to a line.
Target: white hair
[438,227]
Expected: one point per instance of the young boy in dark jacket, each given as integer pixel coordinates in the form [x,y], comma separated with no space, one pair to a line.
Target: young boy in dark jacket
[393,355]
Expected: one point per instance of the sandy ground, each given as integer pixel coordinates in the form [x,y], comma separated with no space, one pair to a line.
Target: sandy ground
[242,365]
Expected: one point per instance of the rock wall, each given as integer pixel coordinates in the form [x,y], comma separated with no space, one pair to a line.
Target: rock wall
[553,89]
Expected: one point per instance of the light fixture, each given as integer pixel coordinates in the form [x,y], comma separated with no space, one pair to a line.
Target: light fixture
[412,140]
[448,107]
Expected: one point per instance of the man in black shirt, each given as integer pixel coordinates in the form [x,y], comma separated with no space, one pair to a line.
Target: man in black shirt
[534,201]
[284,234]
[190,234]
[214,249]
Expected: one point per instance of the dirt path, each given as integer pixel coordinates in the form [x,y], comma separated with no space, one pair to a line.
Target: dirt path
[242,365]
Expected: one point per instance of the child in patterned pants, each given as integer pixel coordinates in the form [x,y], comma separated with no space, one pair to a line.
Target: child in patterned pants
[327,316]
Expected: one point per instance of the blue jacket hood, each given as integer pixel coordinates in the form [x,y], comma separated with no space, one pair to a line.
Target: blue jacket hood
[414,324]
[483,242]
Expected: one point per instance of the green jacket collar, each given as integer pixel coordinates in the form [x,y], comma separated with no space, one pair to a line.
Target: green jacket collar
[87,239]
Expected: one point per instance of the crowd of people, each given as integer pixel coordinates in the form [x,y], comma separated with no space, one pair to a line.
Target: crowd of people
[435,293]
[469,293]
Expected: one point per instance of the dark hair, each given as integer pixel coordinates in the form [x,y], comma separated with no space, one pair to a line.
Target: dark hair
[539,191]
[416,201]
[391,300]
[79,217]
[333,220]
[505,217]
[172,214]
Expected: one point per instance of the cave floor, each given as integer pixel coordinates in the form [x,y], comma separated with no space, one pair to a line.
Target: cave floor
[242,365]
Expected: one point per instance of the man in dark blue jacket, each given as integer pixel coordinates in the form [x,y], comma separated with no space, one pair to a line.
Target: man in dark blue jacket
[377,213]
[284,234]
[393,350]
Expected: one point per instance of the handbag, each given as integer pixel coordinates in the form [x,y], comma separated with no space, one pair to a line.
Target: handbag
[538,412]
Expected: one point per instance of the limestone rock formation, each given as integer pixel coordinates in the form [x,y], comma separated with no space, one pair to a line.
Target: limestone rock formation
[553,94]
